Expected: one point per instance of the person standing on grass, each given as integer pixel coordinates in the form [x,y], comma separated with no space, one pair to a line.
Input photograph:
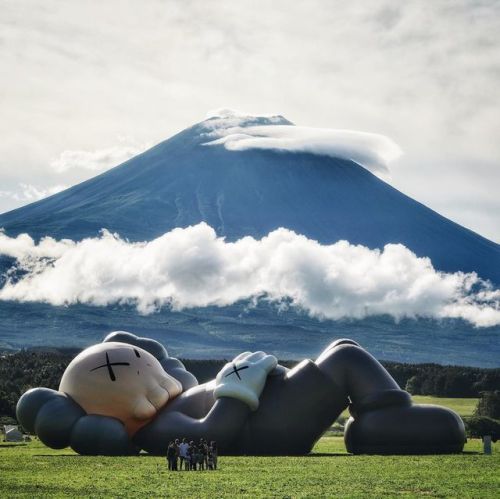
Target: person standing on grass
[171,456]
[183,454]
[177,453]
[210,460]
[192,456]
[200,459]
[189,453]
[213,450]
[204,450]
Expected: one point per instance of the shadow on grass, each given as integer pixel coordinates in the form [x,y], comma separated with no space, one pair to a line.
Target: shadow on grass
[315,454]
[95,455]
[312,454]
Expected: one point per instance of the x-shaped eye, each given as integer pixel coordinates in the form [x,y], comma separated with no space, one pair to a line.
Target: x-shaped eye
[236,371]
[110,365]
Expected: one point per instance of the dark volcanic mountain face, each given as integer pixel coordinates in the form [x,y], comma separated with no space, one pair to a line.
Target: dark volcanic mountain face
[182,182]
[251,192]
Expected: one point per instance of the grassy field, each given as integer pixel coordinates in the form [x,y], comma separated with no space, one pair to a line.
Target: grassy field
[33,470]
[465,406]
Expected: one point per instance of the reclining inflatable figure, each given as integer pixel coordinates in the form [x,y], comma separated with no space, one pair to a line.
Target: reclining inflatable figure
[127,394]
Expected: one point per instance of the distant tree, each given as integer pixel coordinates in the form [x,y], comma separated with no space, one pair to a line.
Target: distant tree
[413,385]
[480,426]
[5,408]
[7,420]
[489,405]
[487,381]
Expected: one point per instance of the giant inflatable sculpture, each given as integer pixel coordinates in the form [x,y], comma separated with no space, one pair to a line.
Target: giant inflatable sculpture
[127,394]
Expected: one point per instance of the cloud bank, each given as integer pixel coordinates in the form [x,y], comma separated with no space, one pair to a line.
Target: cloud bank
[30,193]
[192,267]
[96,161]
[373,151]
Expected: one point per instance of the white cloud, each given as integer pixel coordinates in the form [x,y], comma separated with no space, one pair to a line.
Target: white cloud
[373,151]
[24,249]
[228,113]
[192,267]
[28,193]
[96,161]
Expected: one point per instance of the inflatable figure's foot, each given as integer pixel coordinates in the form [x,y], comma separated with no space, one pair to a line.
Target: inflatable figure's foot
[95,435]
[410,429]
[59,421]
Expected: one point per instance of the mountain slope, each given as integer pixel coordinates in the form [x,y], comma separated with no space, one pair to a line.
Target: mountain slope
[181,182]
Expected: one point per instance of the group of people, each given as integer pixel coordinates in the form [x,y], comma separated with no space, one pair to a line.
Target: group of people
[192,456]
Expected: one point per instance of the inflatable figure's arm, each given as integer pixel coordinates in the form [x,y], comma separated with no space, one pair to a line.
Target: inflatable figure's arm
[223,424]
[237,390]
[244,378]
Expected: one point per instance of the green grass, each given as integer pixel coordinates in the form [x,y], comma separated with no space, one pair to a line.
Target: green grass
[464,406]
[34,470]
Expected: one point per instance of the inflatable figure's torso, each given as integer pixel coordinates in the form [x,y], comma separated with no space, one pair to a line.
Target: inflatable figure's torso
[301,402]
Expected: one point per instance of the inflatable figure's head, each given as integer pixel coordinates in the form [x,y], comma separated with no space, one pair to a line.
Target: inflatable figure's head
[119,380]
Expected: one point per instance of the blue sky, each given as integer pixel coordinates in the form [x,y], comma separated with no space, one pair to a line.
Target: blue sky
[87,84]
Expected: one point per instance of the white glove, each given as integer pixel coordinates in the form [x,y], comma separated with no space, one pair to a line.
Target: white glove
[244,378]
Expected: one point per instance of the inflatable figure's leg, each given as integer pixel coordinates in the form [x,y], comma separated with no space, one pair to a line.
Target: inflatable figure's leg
[384,420]
[49,414]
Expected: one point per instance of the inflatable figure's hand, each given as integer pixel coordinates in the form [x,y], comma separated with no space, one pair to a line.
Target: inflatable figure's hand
[244,378]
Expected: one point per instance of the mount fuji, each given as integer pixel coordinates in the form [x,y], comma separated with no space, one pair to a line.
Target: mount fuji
[247,176]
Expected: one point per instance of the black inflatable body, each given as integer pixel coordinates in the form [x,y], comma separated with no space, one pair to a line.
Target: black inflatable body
[284,413]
